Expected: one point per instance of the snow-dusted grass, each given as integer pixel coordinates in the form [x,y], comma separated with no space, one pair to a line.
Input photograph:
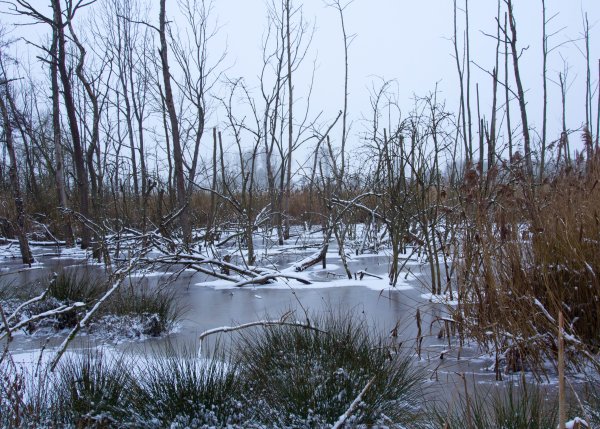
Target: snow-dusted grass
[520,406]
[135,311]
[309,377]
[284,378]
[98,388]
[91,390]
[177,389]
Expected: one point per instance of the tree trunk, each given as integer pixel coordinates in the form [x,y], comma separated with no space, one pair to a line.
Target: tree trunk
[288,187]
[82,179]
[26,255]
[177,150]
[520,91]
[59,176]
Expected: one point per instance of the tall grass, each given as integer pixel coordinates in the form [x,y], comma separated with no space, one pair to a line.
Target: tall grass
[24,396]
[92,390]
[177,387]
[157,309]
[510,407]
[529,252]
[95,390]
[74,286]
[309,377]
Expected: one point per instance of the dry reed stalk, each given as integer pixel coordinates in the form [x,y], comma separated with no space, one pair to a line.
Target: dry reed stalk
[525,256]
[562,406]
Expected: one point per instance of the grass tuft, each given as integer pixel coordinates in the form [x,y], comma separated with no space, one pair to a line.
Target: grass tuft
[520,407]
[92,390]
[310,377]
[179,389]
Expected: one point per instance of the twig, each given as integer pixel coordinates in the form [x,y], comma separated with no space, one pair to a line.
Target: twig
[362,273]
[279,322]
[265,323]
[353,406]
[36,299]
[119,275]
[271,276]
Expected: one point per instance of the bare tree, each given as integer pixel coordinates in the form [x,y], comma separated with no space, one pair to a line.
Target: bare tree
[492,138]
[199,76]
[169,100]
[520,91]
[509,131]
[285,45]
[5,95]
[545,88]
[589,121]
[59,176]
[462,107]
[60,19]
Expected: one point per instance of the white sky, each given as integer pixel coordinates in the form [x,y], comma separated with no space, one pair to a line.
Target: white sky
[410,42]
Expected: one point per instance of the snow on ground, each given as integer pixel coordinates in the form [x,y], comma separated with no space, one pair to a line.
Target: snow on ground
[283,284]
[149,273]
[441,299]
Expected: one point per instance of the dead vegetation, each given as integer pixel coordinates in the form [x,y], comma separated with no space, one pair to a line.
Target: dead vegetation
[527,253]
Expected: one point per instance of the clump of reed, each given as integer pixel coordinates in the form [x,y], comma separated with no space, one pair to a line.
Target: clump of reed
[528,252]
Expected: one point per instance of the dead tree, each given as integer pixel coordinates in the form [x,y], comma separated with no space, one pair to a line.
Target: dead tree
[13,172]
[78,157]
[462,106]
[198,78]
[545,89]
[520,91]
[58,21]
[169,100]
[284,49]
[59,176]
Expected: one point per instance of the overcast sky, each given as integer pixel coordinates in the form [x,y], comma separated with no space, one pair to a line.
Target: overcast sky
[410,42]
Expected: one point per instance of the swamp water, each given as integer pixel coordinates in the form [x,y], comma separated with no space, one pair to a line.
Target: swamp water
[207,304]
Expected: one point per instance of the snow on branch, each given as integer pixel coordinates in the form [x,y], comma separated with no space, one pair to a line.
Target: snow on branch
[265,278]
[340,423]
[33,300]
[283,321]
[116,278]
[50,313]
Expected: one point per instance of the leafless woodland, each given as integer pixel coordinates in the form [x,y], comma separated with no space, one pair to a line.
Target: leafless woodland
[104,150]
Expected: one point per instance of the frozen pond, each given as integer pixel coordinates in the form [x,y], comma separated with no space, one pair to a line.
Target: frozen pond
[208,304]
